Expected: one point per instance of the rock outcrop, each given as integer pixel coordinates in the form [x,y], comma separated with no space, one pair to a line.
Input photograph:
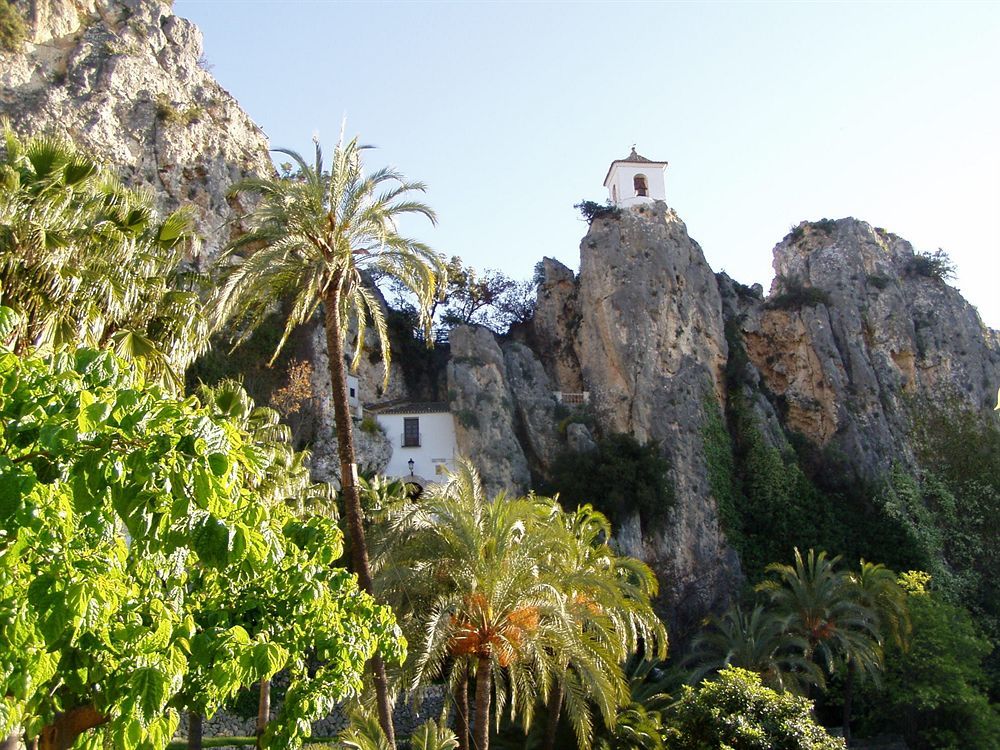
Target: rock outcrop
[126,80]
[480,398]
[641,331]
[857,329]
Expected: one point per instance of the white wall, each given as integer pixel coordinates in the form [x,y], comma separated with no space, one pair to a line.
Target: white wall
[621,177]
[437,444]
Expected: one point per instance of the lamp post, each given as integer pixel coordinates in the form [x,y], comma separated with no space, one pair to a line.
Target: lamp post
[410,464]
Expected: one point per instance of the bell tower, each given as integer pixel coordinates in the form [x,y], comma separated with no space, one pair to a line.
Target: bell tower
[635,180]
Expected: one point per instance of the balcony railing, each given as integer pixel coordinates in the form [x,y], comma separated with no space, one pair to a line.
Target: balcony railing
[582,397]
[410,441]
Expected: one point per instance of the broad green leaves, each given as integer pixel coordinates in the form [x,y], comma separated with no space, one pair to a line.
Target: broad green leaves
[149,563]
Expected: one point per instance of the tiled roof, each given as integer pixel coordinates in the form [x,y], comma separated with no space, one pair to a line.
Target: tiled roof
[405,406]
[636,157]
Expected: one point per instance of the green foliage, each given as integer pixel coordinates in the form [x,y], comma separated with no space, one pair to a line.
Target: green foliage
[168,112]
[772,500]
[937,265]
[949,511]
[364,733]
[247,363]
[736,712]
[935,690]
[721,464]
[778,508]
[591,210]
[149,563]
[86,260]
[798,232]
[370,426]
[489,298]
[13,30]
[796,296]
[878,280]
[622,476]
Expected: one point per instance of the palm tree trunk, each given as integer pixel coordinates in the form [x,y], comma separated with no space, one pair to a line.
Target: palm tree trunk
[263,709]
[552,721]
[349,486]
[484,690]
[462,709]
[195,730]
[848,701]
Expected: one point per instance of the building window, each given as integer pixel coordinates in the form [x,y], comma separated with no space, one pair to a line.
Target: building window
[639,182]
[411,432]
[614,193]
[352,393]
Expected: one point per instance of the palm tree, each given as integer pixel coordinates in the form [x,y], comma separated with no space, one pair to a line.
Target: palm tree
[85,260]
[875,587]
[467,577]
[316,237]
[757,640]
[607,598]
[822,607]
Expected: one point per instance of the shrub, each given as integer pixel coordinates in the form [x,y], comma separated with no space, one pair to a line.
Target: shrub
[13,30]
[621,476]
[169,112]
[592,210]
[878,280]
[797,296]
[936,265]
[370,426]
[737,712]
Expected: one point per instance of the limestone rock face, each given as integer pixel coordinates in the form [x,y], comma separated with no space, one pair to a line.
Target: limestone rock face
[641,330]
[534,407]
[842,370]
[480,399]
[125,79]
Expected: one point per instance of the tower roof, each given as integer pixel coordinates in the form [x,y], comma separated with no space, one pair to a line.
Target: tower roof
[632,158]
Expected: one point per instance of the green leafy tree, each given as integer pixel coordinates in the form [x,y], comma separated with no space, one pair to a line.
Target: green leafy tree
[149,563]
[85,260]
[935,691]
[735,711]
[316,237]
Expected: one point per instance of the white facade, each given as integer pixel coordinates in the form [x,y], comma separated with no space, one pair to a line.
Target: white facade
[353,396]
[636,180]
[431,446]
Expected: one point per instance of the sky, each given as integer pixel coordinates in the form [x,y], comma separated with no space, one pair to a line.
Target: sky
[768,114]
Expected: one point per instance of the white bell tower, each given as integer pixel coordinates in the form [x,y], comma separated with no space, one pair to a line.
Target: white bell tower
[635,180]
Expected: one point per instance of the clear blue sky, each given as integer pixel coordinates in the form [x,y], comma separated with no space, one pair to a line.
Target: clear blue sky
[768,114]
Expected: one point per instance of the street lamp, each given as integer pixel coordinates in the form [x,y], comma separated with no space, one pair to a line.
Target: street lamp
[410,464]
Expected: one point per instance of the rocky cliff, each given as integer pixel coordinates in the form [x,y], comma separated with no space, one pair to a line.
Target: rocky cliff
[127,80]
[856,332]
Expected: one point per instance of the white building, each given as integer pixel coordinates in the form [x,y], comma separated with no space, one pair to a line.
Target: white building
[353,397]
[422,435]
[635,180]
